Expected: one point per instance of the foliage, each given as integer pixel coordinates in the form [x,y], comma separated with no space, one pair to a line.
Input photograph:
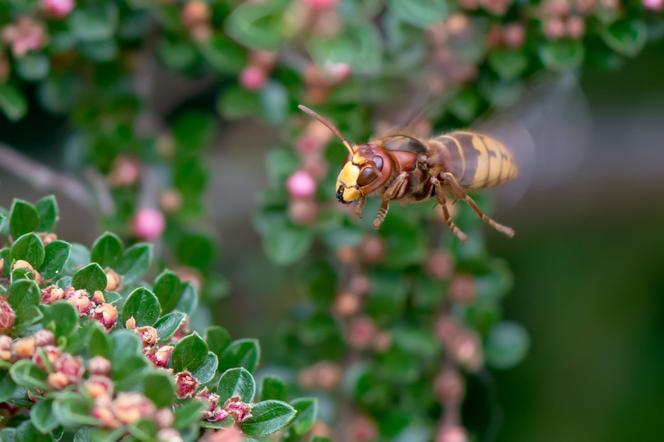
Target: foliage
[86,353]
[411,309]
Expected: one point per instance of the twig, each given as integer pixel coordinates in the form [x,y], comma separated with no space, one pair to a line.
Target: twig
[43,178]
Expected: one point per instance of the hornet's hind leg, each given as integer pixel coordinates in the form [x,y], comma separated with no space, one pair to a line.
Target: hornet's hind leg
[461,194]
[440,195]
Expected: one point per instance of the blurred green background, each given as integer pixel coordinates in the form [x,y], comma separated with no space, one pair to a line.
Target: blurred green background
[587,262]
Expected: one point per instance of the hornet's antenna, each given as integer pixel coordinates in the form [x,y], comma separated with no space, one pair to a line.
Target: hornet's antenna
[327,124]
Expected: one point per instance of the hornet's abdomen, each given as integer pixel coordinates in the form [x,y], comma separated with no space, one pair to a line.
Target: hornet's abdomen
[477,161]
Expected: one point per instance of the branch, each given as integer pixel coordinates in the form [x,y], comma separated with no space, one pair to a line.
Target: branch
[43,178]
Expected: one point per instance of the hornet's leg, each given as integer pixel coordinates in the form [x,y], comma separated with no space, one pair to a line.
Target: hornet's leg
[440,195]
[461,194]
[394,191]
[359,207]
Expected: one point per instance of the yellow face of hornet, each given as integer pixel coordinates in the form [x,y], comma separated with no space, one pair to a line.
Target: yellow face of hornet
[347,188]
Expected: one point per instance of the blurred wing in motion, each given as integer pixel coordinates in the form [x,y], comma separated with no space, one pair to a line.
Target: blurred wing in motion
[547,130]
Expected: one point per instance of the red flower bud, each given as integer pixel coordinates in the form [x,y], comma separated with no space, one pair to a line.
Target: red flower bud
[362,429]
[52,354]
[361,332]
[104,413]
[70,366]
[148,335]
[372,249]
[44,337]
[186,384]
[451,433]
[463,289]
[161,356]
[164,418]
[98,386]
[7,315]
[51,294]
[131,407]
[5,348]
[80,299]
[98,297]
[106,315]
[439,265]
[99,366]
[449,385]
[238,410]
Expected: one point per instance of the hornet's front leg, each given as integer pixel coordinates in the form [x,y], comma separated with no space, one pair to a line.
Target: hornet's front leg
[395,190]
[359,207]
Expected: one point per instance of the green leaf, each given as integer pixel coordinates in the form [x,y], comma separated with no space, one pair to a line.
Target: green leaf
[91,278]
[24,296]
[135,262]
[73,410]
[159,388]
[508,64]
[235,102]
[13,103]
[627,37]
[56,255]
[189,413]
[274,102]
[195,250]
[193,130]
[129,375]
[107,250]
[8,388]
[307,409]
[79,255]
[507,345]
[168,324]
[23,216]
[284,244]
[217,339]
[168,289]
[236,382]
[267,417]
[562,55]
[29,247]
[256,25]
[273,388]
[27,432]
[360,46]
[189,299]
[206,371]
[61,318]
[125,344]
[189,353]
[94,22]
[241,353]
[49,214]
[420,13]
[143,306]
[42,416]
[223,55]
[27,374]
[99,343]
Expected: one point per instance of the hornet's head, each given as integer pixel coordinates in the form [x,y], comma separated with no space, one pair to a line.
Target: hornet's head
[367,170]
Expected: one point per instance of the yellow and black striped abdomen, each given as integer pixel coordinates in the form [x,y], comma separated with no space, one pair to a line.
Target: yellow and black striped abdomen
[477,161]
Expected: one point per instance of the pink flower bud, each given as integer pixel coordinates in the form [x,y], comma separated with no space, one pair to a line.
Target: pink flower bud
[446,328]
[302,211]
[301,185]
[360,285]
[164,418]
[58,381]
[161,356]
[185,384]
[228,434]
[466,349]
[212,413]
[131,407]
[238,410]
[346,304]
[372,249]
[113,280]
[263,59]
[25,348]
[148,335]
[52,354]
[321,5]
[361,332]
[338,72]
[148,224]
[103,412]
[24,35]
[439,265]
[44,337]
[52,294]
[362,429]
[576,27]
[58,8]
[99,366]
[382,341]
[169,435]
[106,315]
[170,200]
[514,35]
[253,78]
[449,385]
[81,301]
[183,330]
[47,238]
[125,171]
[7,315]
[554,28]
[463,289]
[70,366]
[195,13]
[99,386]
[130,324]
[451,433]
[5,348]
[653,5]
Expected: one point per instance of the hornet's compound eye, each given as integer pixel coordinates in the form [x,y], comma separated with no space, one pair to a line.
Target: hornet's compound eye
[378,162]
[367,175]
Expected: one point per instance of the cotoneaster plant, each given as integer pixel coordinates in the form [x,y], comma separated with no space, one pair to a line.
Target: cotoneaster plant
[91,352]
